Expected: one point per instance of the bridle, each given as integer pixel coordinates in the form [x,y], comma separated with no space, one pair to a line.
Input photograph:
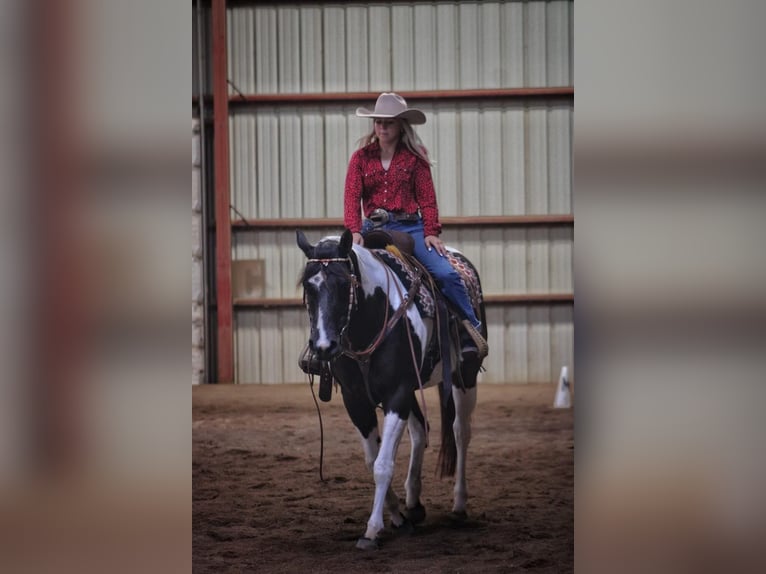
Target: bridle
[353,284]
[362,356]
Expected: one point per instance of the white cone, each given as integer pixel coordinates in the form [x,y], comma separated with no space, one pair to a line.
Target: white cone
[563,398]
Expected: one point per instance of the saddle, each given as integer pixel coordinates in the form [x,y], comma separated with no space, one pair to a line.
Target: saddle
[380,239]
[446,320]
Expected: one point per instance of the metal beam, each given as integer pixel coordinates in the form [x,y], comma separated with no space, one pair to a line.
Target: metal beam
[225,342]
[566,92]
[477,221]
[500,299]
[556,92]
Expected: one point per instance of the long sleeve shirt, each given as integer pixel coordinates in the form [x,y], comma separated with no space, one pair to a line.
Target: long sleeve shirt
[405,187]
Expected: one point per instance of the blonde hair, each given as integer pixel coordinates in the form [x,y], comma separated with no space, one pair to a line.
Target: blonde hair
[408,137]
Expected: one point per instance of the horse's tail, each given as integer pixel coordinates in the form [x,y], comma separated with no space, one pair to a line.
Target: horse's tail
[448,451]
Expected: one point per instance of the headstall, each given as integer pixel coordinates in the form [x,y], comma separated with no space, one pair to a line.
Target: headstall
[352,285]
[326,262]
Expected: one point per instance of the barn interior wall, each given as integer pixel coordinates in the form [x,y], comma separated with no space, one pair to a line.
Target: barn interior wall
[493,157]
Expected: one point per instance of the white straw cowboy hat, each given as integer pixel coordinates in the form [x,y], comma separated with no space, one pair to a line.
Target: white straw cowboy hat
[390,105]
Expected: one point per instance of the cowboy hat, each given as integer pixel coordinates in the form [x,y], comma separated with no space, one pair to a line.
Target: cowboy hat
[390,105]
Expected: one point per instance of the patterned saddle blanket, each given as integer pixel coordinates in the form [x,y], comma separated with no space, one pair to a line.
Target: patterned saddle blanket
[424,299]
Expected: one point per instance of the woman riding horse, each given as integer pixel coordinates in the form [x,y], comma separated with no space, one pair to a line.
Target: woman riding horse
[391,176]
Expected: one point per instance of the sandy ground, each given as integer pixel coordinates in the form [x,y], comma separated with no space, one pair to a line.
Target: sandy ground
[259,504]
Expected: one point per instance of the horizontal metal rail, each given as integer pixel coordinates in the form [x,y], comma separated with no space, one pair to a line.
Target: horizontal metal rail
[500,299]
[557,92]
[477,221]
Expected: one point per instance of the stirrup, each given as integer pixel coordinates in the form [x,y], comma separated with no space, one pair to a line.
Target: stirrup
[481,343]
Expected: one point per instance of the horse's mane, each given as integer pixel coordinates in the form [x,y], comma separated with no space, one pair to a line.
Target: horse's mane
[374,272]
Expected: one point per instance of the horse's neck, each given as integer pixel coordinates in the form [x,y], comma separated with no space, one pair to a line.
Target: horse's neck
[368,319]
[373,275]
[371,271]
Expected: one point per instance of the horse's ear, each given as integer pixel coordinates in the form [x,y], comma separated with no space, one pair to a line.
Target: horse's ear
[346,241]
[304,244]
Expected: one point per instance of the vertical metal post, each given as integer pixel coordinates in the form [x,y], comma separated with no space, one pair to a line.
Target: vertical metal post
[62,311]
[222,195]
[202,86]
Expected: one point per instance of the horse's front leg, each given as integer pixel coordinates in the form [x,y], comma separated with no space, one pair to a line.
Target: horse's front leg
[362,414]
[371,446]
[383,471]
[464,405]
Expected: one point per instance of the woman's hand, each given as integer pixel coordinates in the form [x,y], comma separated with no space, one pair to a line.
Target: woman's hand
[358,239]
[434,242]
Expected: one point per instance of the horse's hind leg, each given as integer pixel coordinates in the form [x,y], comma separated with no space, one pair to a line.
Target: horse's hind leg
[413,485]
[464,405]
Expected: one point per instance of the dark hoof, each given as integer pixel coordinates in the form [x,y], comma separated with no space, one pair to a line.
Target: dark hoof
[367,544]
[459,516]
[416,514]
[405,527]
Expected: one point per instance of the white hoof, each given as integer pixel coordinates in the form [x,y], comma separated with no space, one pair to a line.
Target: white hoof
[367,544]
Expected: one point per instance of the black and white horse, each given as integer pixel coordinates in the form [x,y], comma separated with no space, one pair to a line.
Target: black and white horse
[352,299]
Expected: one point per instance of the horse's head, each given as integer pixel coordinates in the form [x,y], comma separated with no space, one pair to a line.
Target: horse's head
[328,285]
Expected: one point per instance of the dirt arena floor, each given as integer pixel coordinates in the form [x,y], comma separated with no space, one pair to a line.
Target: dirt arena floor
[259,505]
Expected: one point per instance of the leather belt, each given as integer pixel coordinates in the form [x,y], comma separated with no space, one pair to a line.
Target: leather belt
[381,216]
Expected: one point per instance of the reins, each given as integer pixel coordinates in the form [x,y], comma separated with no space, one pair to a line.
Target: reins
[410,298]
[351,302]
[321,428]
[364,354]
[388,324]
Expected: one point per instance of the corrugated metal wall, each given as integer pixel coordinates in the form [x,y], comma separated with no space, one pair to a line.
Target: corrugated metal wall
[491,157]
[498,157]
[419,46]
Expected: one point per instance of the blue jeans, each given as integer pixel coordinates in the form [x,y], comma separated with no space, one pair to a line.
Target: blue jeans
[447,279]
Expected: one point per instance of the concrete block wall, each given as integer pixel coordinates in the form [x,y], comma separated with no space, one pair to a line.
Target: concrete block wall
[198,297]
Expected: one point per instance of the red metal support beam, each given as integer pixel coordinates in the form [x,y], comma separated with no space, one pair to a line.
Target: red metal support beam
[555,92]
[566,92]
[59,319]
[564,219]
[225,311]
[499,299]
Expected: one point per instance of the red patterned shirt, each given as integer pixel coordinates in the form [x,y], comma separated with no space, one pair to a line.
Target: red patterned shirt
[405,187]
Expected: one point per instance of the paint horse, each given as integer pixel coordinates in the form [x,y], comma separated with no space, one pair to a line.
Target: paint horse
[377,343]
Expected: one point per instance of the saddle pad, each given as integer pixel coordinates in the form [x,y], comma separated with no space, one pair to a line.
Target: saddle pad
[470,277]
[424,301]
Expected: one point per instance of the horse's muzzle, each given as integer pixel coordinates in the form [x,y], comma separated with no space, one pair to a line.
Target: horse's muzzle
[326,352]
